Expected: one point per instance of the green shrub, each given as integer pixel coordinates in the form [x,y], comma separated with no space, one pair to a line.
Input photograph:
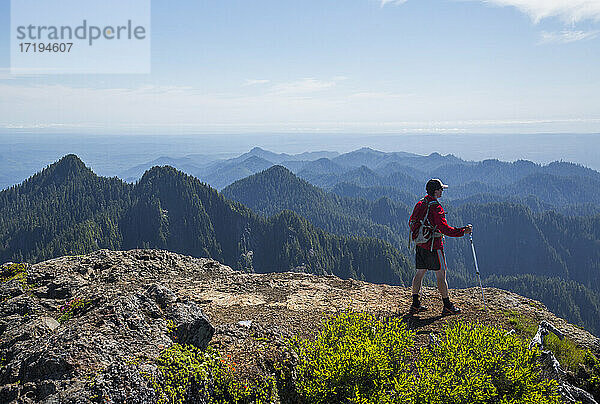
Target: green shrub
[12,271]
[186,371]
[479,364]
[354,357]
[357,358]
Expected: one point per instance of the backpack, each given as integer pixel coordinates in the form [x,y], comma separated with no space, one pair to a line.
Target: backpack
[421,230]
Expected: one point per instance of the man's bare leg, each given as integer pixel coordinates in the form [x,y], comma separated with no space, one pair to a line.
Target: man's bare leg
[416,306]
[442,284]
[418,280]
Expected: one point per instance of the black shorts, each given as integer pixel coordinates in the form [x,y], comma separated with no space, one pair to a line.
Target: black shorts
[433,260]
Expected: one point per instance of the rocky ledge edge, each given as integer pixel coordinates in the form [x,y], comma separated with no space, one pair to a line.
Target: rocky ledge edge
[78,328]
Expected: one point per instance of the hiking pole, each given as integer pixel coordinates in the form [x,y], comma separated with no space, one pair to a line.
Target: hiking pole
[477,268]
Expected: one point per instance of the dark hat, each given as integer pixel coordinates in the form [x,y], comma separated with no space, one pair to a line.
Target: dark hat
[433,185]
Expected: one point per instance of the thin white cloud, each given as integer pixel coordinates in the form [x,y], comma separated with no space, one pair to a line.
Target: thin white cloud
[254,82]
[570,11]
[377,95]
[393,2]
[36,126]
[304,86]
[566,36]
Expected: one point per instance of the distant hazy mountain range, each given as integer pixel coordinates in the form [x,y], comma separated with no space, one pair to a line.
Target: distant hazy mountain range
[555,185]
[223,172]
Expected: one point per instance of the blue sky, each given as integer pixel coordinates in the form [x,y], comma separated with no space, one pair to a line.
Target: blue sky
[361,66]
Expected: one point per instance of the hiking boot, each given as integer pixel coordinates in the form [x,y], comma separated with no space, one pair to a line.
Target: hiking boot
[416,309]
[449,310]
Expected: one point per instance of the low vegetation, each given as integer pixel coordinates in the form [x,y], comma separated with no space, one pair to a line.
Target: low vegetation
[358,358]
[13,271]
[186,372]
[72,308]
[354,357]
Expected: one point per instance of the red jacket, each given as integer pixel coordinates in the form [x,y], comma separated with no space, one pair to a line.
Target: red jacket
[437,217]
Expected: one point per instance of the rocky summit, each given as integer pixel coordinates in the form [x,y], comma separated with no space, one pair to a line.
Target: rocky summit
[89,328]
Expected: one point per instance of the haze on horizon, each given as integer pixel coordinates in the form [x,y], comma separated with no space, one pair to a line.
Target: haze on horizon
[359,66]
[22,155]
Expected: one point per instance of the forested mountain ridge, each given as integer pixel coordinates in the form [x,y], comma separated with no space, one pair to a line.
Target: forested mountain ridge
[64,208]
[67,209]
[277,189]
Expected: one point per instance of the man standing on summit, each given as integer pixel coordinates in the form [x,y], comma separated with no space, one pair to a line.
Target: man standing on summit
[428,226]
